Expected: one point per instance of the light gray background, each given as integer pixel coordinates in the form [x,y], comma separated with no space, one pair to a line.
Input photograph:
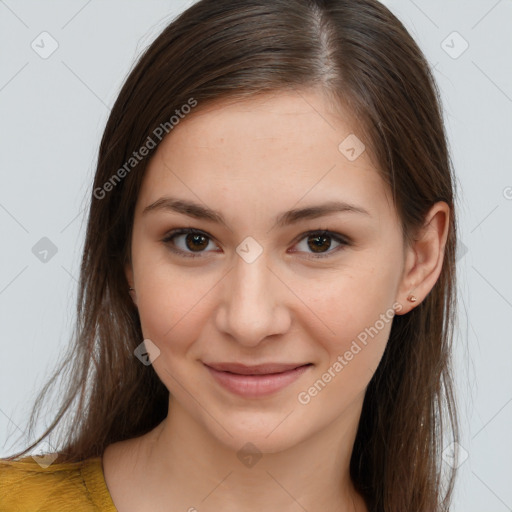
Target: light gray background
[53,112]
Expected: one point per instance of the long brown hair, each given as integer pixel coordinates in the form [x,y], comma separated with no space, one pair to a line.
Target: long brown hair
[360,54]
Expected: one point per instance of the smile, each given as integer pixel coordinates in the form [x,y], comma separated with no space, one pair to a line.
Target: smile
[259,381]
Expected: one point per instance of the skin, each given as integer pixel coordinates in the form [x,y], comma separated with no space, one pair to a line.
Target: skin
[250,161]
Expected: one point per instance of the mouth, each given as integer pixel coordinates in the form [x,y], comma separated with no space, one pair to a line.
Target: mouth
[260,369]
[256,381]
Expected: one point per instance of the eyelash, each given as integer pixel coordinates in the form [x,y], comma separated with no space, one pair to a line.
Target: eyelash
[185,231]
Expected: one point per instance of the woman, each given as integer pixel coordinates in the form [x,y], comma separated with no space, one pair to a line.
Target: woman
[267,288]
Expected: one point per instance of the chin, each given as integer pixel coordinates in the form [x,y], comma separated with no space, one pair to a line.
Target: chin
[259,435]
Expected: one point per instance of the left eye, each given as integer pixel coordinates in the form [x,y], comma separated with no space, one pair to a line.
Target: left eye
[195,241]
[316,240]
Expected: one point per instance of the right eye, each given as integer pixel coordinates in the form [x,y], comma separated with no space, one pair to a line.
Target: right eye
[190,241]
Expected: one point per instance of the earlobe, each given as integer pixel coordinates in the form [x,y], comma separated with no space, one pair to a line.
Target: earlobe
[424,258]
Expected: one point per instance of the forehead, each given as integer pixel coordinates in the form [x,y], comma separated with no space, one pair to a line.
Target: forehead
[271,149]
[283,117]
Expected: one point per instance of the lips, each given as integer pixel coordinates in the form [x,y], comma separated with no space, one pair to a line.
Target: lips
[258,381]
[260,369]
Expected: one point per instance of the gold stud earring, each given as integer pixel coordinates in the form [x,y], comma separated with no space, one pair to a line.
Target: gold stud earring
[412,298]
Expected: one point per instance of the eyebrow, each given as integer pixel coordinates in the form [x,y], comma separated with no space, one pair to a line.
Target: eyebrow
[199,211]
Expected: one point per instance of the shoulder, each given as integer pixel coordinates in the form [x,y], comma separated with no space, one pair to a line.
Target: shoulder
[42,483]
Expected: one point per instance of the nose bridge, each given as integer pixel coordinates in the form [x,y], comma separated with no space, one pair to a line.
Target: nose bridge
[251,279]
[252,301]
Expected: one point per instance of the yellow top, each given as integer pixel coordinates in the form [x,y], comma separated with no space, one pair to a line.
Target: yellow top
[29,485]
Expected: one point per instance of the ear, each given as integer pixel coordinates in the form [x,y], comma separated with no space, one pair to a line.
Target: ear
[128,270]
[424,257]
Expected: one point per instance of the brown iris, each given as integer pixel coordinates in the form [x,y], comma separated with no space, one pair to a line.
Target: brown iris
[318,241]
[197,242]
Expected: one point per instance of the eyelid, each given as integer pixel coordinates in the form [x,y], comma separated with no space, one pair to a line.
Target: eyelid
[167,239]
[343,240]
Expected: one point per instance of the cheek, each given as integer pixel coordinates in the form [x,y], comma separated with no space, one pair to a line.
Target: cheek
[163,296]
[355,307]
[172,316]
[168,309]
[174,303]
[353,353]
[360,336]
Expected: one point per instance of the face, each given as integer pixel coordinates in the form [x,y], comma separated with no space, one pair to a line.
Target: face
[253,284]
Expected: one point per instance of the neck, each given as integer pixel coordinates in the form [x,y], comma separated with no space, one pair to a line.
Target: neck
[198,471]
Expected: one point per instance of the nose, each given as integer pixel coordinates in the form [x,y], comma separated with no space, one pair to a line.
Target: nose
[254,303]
